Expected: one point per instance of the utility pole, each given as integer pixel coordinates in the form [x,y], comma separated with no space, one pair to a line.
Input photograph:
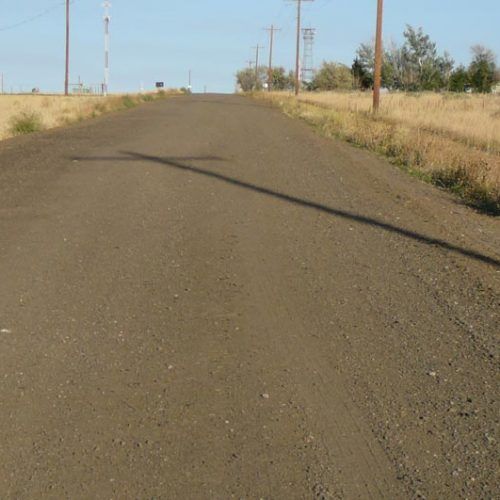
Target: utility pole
[378,57]
[66,78]
[107,19]
[271,30]
[297,55]
[257,50]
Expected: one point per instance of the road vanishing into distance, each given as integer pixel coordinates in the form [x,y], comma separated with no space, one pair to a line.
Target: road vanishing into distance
[202,298]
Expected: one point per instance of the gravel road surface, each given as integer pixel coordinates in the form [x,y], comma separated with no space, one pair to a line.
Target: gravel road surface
[200,298]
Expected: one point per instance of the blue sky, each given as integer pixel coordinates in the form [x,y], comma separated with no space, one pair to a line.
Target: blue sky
[161,40]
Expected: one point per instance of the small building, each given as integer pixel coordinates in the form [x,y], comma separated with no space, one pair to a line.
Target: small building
[496,89]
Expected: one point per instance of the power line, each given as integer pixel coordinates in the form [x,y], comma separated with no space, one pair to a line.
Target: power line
[35,17]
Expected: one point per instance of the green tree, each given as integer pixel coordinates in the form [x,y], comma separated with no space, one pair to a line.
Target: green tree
[281,80]
[363,79]
[445,65]
[363,66]
[393,67]
[248,80]
[333,76]
[482,70]
[459,80]
[421,65]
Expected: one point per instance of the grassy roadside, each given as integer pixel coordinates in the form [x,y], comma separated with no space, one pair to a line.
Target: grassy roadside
[450,143]
[24,114]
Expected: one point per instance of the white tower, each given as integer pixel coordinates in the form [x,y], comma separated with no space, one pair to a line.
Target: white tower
[308,59]
[107,19]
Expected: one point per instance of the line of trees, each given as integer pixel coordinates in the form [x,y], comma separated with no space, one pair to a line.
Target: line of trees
[413,66]
[416,65]
[248,79]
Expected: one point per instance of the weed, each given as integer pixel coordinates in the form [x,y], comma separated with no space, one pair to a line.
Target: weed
[128,102]
[461,182]
[26,122]
[100,107]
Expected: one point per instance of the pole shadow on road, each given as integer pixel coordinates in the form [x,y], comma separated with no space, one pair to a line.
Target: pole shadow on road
[180,164]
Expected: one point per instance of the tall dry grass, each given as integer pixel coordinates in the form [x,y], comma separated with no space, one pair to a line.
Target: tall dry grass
[451,140]
[471,118]
[55,111]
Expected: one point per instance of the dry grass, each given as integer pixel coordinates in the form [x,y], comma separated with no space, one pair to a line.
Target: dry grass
[451,140]
[56,111]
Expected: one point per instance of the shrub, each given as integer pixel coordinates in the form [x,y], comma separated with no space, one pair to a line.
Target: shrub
[128,102]
[100,107]
[333,76]
[147,97]
[26,122]
[462,183]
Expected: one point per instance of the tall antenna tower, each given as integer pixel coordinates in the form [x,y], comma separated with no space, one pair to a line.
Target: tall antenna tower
[308,58]
[107,19]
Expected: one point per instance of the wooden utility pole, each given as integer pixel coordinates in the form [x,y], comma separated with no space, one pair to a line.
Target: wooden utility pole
[378,57]
[66,79]
[257,50]
[271,30]
[297,54]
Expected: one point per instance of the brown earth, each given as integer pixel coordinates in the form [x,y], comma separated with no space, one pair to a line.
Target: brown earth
[200,298]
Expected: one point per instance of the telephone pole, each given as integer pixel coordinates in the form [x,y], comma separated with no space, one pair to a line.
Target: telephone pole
[378,57]
[297,55]
[66,78]
[272,30]
[107,19]
[257,50]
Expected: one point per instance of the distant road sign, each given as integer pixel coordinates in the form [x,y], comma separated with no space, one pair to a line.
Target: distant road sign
[160,85]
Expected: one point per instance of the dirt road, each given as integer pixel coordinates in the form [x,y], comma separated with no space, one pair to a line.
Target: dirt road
[201,298]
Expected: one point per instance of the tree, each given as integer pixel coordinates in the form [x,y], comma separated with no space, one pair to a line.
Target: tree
[482,70]
[421,65]
[363,67]
[459,80]
[246,79]
[333,76]
[393,67]
[280,80]
[363,79]
[445,65]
